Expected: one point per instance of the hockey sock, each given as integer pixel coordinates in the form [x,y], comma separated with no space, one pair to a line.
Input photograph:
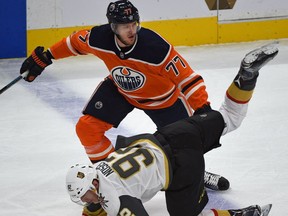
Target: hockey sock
[238,95]
[221,212]
[214,212]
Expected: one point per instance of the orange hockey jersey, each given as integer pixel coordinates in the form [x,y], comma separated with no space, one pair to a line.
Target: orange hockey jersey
[150,75]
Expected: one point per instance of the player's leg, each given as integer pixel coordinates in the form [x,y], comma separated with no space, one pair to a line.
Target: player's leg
[234,110]
[91,132]
[105,109]
[181,110]
[162,117]
[241,90]
[186,194]
[188,139]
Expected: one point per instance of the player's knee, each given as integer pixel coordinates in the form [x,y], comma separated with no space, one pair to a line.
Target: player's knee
[90,131]
[89,127]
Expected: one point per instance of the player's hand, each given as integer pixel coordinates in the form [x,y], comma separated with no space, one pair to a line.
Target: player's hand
[205,108]
[35,64]
[93,210]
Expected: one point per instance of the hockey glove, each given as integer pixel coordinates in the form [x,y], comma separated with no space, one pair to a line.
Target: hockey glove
[93,210]
[35,63]
[204,109]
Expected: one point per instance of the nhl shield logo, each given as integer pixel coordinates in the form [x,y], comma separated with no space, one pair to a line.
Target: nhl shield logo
[128,79]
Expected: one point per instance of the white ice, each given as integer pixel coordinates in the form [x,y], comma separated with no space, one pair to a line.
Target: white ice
[38,141]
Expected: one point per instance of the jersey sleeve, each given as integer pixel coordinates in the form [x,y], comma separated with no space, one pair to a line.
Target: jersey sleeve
[188,82]
[75,44]
[131,206]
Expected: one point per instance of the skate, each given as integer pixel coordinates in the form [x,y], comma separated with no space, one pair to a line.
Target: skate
[215,182]
[253,210]
[256,59]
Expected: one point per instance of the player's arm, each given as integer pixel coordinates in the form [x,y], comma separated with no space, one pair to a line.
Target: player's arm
[75,44]
[189,83]
[131,206]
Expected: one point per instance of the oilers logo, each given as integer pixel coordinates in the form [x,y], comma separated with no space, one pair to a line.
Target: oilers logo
[128,79]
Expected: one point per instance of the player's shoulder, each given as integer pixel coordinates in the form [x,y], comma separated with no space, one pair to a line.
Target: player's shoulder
[148,35]
[132,205]
[101,36]
[151,46]
[101,29]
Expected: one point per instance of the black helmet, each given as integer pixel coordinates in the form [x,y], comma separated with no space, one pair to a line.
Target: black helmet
[121,12]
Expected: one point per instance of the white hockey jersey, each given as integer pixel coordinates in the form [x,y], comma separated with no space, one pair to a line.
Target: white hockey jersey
[138,171]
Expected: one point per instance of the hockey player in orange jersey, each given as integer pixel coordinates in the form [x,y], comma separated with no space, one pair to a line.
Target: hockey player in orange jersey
[145,72]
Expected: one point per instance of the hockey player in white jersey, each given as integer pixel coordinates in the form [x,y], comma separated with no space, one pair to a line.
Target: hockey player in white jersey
[172,159]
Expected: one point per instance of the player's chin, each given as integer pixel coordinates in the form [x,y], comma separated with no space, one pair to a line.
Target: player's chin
[131,39]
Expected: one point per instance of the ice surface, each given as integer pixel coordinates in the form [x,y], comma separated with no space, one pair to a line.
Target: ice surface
[38,141]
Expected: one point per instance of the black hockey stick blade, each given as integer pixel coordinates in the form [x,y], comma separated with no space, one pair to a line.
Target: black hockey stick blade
[13,82]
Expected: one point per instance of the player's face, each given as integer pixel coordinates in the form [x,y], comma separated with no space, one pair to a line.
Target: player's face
[127,33]
[90,196]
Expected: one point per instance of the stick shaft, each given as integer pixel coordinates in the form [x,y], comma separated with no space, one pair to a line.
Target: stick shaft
[13,82]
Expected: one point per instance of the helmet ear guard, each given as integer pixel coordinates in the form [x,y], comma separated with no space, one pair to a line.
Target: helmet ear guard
[79,180]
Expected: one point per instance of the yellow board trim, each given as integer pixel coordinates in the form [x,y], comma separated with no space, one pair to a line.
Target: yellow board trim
[47,37]
[186,32]
[182,32]
[251,31]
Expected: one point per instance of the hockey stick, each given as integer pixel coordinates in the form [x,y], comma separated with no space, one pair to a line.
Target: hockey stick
[23,75]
